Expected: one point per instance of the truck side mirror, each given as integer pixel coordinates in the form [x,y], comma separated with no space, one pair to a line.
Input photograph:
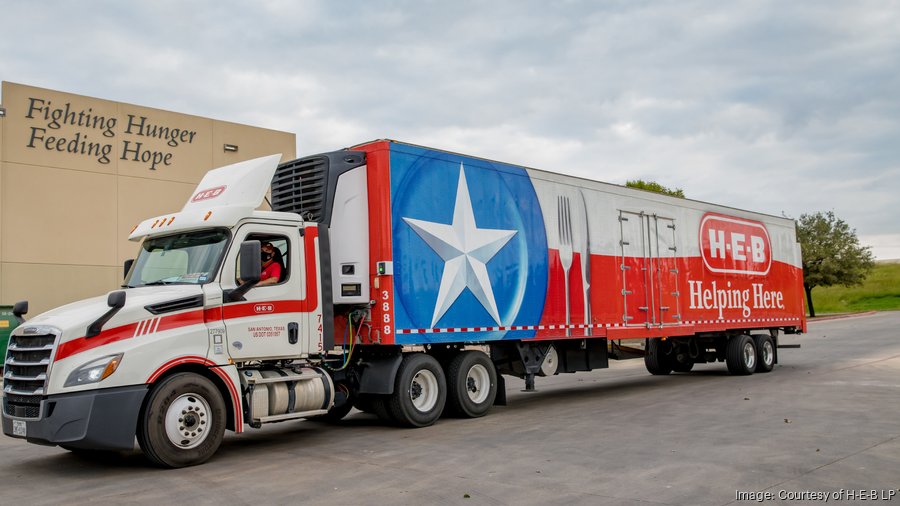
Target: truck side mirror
[19,310]
[251,270]
[127,266]
[116,300]
[251,261]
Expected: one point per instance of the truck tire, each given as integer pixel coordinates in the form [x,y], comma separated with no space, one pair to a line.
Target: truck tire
[381,409]
[364,403]
[337,412]
[183,421]
[420,391]
[765,351]
[682,366]
[740,355]
[471,384]
[655,358]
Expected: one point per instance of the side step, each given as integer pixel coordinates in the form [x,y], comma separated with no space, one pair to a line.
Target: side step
[291,416]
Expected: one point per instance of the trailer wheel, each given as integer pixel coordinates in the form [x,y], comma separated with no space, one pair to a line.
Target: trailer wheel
[655,358]
[765,350]
[420,391]
[183,421]
[471,384]
[740,355]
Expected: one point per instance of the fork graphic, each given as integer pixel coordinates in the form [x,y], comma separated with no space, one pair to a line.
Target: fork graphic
[565,250]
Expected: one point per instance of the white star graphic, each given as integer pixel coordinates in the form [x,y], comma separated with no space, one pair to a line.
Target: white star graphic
[465,249]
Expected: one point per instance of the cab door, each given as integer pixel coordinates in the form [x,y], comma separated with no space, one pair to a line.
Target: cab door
[267,324]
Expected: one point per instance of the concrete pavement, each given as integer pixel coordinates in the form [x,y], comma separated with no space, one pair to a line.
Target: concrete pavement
[827,418]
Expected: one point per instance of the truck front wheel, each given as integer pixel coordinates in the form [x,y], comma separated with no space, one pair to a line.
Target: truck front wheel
[420,391]
[183,421]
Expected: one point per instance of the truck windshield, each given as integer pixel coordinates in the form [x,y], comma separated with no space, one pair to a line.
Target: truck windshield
[189,258]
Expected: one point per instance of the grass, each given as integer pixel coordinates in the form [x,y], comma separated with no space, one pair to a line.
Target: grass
[879,292]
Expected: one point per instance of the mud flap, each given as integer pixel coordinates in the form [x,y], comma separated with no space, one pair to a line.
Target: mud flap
[378,374]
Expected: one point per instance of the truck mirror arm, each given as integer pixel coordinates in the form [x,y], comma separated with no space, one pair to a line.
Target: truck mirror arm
[115,301]
[237,294]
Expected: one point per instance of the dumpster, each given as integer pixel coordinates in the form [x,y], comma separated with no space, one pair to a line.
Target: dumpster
[8,322]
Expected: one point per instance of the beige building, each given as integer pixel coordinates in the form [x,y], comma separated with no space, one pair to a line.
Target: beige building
[77,173]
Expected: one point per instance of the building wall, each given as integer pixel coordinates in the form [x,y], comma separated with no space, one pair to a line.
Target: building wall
[77,173]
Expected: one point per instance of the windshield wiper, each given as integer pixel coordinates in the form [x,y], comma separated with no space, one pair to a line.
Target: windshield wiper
[159,282]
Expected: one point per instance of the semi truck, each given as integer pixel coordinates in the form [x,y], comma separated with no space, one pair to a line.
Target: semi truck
[410,281]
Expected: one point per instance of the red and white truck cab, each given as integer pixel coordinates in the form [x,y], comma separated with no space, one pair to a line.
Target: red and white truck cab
[79,375]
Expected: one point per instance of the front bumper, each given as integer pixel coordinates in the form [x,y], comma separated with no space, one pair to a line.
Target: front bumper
[97,419]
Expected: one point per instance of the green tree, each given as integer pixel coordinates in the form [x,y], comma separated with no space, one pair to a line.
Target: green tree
[832,254]
[653,186]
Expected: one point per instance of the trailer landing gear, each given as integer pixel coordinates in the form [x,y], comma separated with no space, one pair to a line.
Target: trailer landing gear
[532,356]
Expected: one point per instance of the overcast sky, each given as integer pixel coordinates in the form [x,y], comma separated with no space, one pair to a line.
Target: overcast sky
[779,107]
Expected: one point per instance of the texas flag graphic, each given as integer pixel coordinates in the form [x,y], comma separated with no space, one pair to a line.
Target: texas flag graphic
[470,248]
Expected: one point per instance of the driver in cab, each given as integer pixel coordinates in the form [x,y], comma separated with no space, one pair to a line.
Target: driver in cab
[271,267]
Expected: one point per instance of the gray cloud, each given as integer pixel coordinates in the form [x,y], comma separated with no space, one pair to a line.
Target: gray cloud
[773,106]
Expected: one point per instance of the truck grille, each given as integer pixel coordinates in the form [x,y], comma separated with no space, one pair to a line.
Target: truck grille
[25,374]
[299,187]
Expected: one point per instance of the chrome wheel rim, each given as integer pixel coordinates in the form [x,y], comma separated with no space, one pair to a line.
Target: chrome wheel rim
[768,353]
[478,383]
[749,355]
[423,390]
[187,421]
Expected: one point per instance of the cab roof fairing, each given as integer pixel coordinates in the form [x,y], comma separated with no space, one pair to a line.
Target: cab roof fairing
[222,198]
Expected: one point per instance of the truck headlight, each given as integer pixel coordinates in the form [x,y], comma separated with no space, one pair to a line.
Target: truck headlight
[94,371]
